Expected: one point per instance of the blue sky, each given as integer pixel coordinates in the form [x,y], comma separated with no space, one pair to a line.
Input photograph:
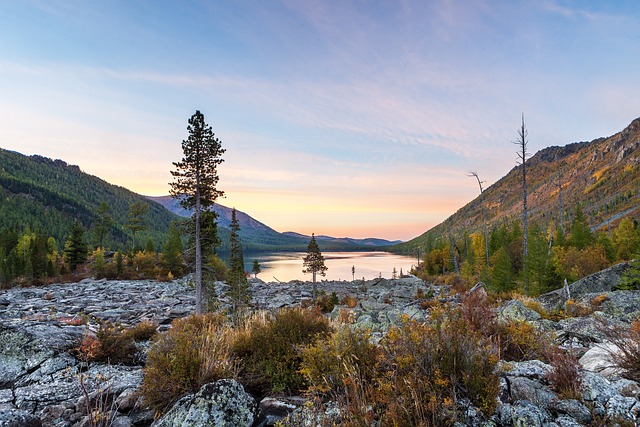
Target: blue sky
[347,118]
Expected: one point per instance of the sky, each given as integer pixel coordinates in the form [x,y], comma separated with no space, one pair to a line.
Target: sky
[344,118]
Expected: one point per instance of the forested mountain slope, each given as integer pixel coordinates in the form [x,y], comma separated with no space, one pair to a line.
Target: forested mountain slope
[602,176]
[49,195]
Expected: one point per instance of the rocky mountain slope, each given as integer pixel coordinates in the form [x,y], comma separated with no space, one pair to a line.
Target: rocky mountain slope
[602,176]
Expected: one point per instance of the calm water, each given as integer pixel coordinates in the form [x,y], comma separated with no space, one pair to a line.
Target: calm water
[286,266]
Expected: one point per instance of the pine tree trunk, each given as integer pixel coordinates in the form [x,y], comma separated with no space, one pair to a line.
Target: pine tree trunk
[314,288]
[198,257]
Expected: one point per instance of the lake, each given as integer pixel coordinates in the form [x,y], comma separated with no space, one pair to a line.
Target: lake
[286,266]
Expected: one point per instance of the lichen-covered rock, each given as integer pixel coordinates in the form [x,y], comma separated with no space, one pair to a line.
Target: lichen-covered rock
[585,330]
[26,346]
[522,414]
[514,310]
[623,407]
[534,369]
[571,408]
[218,404]
[18,418]
[622,305]
[525,389]
[600,282]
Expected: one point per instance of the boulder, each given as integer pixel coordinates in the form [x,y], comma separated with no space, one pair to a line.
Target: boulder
[514,310]
[571,408]
[534,392]
[597,283]
[598,359]
[26,346]
[18,418]
[622,305]
[222,403]
[532,369]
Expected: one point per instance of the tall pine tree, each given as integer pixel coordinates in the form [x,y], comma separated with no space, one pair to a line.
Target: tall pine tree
[195,181]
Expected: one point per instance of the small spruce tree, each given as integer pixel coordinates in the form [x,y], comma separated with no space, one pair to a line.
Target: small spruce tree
[256,268]
[239,286]
[172,251]
[313,262]
[75,248]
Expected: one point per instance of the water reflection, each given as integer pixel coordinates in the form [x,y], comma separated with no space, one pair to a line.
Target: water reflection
[286,266]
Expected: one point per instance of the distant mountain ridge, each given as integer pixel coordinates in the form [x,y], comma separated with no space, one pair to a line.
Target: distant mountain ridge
[257,236]
[602,176]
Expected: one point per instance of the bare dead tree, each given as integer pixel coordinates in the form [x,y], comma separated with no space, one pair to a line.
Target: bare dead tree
[484,215]
[521,142]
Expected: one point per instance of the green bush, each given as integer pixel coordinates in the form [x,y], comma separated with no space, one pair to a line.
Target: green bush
[266,346]
[428,367]
[193,352]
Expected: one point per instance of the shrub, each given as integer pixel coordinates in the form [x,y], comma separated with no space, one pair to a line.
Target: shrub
[328,363]
[564,377]
[350,301]
[193,352]
[267,345]
[325,303]
[574,308]
[627,340]
[427,367]
[597,301]
[110,345]
[519,341]
[143,331]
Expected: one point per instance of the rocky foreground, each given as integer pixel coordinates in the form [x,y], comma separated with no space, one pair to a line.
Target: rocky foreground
[42,384]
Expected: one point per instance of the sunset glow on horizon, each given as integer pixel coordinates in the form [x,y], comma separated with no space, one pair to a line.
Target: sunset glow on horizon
[346,119]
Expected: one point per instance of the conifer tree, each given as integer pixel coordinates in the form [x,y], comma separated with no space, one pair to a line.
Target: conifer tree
[196,178]
[581,235]
[313,262]
[172,251]
[75,248]
[102,224]
[626,239]
[136,221]
[256,268]
[238,284]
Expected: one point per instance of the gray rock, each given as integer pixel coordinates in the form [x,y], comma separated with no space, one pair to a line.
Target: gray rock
[623,407]
[598,359]
[603,281]
[622,305]
[596,388]
[533,369]
[571,408]
[586,330]
[524,414]
[565,421]
[525,389]
[223,403]
[514,310]
[18,418]
[272,410]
